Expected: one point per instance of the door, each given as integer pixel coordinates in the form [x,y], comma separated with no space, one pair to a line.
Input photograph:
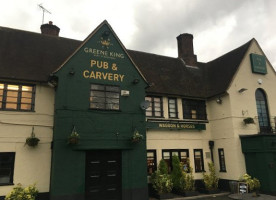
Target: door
[103,175]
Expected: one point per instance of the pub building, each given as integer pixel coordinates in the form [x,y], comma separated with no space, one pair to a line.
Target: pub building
[105,115]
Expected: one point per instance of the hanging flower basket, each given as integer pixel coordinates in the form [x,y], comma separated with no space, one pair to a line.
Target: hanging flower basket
[248,120]
[136,137]
[32,141]
[74,137]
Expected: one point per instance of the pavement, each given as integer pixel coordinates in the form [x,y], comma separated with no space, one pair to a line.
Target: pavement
[225,196]
[250,197]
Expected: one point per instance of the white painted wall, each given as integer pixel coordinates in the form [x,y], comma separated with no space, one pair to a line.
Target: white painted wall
[32,165]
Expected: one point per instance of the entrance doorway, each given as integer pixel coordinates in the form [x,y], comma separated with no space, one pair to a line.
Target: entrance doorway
[103,175]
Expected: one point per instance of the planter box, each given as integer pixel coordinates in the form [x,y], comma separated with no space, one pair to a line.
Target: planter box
[164,196]
[191,193]
[205,191]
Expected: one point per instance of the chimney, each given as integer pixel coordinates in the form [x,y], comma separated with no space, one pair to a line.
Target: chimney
[186,49]
[49,29]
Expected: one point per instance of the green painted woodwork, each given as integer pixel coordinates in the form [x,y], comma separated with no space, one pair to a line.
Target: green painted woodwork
[260,158]
[98,129]
[258,63]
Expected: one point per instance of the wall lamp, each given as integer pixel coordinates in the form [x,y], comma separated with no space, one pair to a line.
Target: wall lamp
[242,90]
[218,100]
[136,81]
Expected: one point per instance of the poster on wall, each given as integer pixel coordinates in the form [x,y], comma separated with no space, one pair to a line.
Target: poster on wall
[243,188]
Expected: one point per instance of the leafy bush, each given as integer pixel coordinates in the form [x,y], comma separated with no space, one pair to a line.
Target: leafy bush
[253,183]
[210,180]
[189,181]
[19,193]
[162,167]
[162,183]
[176,175]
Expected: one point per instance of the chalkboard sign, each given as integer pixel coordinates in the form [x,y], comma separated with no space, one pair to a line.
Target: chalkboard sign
[243,188]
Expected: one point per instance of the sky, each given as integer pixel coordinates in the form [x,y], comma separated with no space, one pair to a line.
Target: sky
[218,26]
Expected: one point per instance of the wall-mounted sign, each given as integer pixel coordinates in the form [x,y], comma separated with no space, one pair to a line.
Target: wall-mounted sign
[175,125]
[258,63]
[243,187]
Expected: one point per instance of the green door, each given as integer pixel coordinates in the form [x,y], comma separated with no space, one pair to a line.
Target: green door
[103,175]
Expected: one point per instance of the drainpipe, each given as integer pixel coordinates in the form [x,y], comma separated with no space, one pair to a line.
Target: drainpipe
[211,146]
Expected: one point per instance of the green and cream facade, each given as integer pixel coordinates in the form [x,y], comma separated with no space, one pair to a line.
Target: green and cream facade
[107,95]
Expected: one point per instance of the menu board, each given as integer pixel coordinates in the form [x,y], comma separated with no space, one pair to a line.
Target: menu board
[243,188]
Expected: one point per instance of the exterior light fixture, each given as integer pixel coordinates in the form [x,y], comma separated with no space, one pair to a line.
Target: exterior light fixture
[242,90]
[218,100]
[136,81]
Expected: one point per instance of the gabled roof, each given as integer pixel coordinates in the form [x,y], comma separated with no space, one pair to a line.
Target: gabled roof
[31,56]
[221,71]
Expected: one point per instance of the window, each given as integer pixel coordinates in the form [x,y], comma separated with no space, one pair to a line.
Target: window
[173,108]
[221,160]
[104,97]
[194,109]
[16,97]
[156,107]
[198,157]
[151,161]
[6,168]
[262,110]
[183,155]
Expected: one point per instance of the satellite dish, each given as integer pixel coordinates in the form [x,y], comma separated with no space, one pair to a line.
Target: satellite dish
[144,105]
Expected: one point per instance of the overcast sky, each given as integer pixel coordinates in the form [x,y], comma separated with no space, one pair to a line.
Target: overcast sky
[218,26]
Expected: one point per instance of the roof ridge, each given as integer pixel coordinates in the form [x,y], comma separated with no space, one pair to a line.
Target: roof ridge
[36,33]
[233,50]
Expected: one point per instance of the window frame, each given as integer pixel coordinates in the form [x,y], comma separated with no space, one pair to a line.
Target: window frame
[171,151]
[176,108]
[262,111]
[202,161]
[154,166]
[19,102]
[194,107]
[152,106]
[222,164]
[11,167]
[105,97]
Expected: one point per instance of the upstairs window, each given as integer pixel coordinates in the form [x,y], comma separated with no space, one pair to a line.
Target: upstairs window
[104,97]
[156,107]
[6,168]
[262,109]
[17,97]
[194,109]
[172,108]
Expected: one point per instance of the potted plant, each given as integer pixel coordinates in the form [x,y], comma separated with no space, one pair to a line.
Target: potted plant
[177,176]
[136,137]
[189,181]
[161,182]
[32,141]
[253,184]
[248,120]
[210,180]
[74,137]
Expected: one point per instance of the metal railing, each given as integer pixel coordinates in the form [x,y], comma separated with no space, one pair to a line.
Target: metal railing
[267,129]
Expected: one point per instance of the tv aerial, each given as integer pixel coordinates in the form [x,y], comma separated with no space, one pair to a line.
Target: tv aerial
[43,11]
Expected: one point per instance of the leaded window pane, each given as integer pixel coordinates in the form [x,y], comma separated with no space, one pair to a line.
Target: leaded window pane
[156,107]
[104,97]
